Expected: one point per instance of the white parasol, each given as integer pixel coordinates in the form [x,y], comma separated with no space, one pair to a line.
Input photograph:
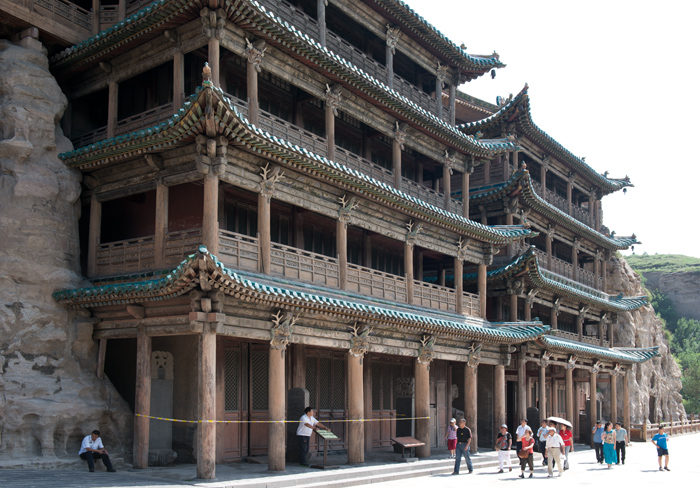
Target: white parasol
[560,420]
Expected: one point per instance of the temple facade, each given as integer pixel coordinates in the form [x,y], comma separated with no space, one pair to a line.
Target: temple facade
[292,199]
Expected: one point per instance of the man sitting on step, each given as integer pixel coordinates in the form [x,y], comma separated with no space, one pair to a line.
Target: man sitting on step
[92,448]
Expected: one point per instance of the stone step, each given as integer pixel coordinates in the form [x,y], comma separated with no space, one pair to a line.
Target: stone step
[362,475]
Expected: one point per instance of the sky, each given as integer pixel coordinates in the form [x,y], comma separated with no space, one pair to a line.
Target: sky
[612,81]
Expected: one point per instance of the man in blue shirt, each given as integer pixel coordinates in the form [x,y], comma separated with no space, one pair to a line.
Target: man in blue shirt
[660,440]
[598,440]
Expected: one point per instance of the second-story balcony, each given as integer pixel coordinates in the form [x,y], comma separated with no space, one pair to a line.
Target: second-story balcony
[61,19]
[584,279]
[238,251]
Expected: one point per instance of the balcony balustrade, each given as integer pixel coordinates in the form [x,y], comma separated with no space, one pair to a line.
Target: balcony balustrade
[179,245]
[109,15]
[579,213]
[239,251]
[561,268]
[66,13]
[587,339]
[127,256]
[304,266]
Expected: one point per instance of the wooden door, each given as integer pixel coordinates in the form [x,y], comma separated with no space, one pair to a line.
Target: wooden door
[259,356]
[326,373]
[234,437]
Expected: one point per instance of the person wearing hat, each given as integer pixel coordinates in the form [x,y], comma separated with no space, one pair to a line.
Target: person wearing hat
[451,437]
[598,440]
[555,450]
[504,442]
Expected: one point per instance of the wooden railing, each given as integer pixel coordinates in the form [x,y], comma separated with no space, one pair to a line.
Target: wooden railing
[559,266]
[645,431]
[62,11]
[145,119]
[129,255]
[238,250]
[375,283]
[433,296]
[579,213]
[109,14]
[292,133]
[471,305]
[565,334]
[90,137]
[305,266]
[343,156]
[179,245]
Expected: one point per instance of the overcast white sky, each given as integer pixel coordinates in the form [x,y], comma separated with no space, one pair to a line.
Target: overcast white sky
[614,81]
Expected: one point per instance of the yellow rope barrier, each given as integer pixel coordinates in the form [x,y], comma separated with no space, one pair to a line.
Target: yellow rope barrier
[269,421]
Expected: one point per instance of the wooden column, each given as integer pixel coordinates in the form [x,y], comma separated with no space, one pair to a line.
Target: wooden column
[161,230]
[579,327]
[447,184]
[408,265]
[601,334]
[465,191]
[513,312]
[94,235]
[543,180]
[95,17]
[439,80]
[264,198]
[487,169]
[422,408]
[604,272]
[592,209]
[574,262]
[112,107]
[276,393]
[613,398]
[330,131]
[548,247]
[522,385]
[626,418]
[210,222]
[528,310]
[482,290]
[142,401]
[459,285]
[596,269]
[471,402]
[342,246]
[499,395]
[101,353]
[396,159]
[122,9]
[509,221]
[356,410]
[298,366]
[543,392]
[178,79]
[569,194]
[570,396]
[593,414]
[206,445]
[441,274]
[214,60]
[506,165]
[453,99]
[554,318]
[252,67]
[321,18]
[598,215]
[392,38]
[367,388]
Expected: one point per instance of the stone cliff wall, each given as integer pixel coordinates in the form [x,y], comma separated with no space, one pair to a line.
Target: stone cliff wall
[654,385]
[682,288]
[50,396]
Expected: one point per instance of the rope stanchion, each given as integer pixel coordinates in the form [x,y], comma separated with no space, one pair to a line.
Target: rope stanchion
[271,421]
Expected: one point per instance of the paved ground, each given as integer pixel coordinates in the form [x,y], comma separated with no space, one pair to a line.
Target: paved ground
[641,469]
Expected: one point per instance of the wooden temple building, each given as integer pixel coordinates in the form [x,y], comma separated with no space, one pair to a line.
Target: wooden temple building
[292,194]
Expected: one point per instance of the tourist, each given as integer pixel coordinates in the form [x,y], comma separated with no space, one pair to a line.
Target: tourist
[598,441]
[504,442]
[621,442]
[568,438]
[609,445]
[555,451]
[451,437]
[464,438]
[660,440]
[520,432]
[92,449]
[542,436]
[307,424]
[528,445]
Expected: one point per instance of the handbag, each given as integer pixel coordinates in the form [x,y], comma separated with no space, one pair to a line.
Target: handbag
[523,453]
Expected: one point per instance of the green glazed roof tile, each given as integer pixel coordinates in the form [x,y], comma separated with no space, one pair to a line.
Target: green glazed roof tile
[621,354]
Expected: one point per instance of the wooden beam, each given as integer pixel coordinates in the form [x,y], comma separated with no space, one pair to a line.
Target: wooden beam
[101,353]
[136,311]
[142,405]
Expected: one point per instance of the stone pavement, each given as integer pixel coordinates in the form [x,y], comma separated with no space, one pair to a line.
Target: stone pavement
[641,464]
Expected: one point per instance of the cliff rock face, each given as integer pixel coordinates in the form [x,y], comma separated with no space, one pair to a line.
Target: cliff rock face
[654,385]
[682,288]
[50,396]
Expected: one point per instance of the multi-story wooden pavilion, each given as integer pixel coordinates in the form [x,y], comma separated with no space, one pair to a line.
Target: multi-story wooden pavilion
[321,193]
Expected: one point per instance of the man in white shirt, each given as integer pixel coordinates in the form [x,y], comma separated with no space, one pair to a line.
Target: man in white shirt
[520,432]
[555,449]
[307,424]
[92,448]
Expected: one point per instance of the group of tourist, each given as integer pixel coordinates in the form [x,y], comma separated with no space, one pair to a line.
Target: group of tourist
[610,444]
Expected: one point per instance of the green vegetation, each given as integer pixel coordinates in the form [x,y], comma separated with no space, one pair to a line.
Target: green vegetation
[666,263]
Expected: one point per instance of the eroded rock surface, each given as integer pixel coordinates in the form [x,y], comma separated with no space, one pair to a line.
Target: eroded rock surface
[50,396]
[654,385]
[681,287]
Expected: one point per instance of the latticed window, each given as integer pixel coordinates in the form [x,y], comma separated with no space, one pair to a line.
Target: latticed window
[232,371]
[325,380]
[259,379]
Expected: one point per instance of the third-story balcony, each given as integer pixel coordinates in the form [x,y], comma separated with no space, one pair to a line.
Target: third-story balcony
[585,279]
[579,213]
[349,53]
